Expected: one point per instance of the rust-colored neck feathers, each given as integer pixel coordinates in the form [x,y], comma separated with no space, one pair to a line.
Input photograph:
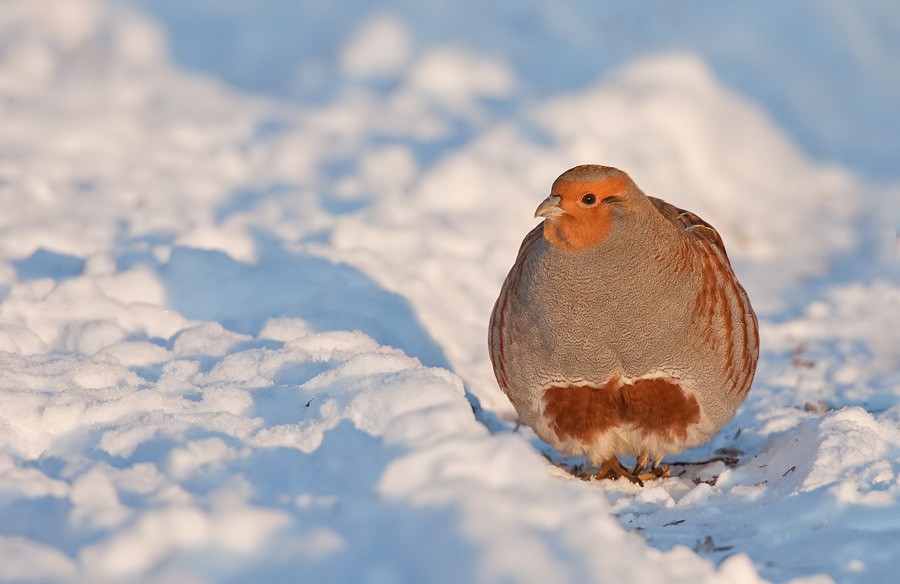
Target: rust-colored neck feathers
[586,221]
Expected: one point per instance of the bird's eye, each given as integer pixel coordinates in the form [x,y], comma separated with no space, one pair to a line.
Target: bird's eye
[589,199]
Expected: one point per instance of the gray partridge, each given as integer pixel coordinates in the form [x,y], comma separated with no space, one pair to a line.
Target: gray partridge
[621,328]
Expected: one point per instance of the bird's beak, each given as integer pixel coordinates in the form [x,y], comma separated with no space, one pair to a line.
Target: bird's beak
[550,208]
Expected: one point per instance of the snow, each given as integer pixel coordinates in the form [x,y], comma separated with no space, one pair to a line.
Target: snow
[249,251]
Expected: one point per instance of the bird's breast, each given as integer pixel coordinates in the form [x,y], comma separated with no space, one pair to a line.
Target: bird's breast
[601,310]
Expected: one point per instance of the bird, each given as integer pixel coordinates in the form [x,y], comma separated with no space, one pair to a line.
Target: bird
[621,328]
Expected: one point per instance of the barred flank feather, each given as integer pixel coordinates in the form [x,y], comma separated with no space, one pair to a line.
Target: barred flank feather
[723,296]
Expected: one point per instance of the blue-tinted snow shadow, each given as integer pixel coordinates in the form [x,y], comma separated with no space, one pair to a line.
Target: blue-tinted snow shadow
[44,263]
[49,264]
[211,286]
[334,491]
[341,528]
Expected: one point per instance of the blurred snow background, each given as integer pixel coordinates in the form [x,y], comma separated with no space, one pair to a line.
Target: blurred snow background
[249,249]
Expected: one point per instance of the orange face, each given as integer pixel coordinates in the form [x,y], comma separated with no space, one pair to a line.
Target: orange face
[579,210]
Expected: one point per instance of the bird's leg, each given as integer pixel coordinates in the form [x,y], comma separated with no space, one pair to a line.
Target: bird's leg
[612,469]
[640,464]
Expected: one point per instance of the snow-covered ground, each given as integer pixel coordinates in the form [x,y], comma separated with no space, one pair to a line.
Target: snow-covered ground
[248,251]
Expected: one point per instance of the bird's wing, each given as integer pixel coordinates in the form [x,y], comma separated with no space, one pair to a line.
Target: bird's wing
[690,223]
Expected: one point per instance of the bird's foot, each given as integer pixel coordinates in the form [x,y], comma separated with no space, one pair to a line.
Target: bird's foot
[657,471]
[612,469]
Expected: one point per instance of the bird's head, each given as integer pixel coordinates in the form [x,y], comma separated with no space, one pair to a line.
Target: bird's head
[583,204]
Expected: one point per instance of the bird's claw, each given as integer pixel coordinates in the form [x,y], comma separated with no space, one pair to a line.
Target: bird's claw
[659,471]
[612,469]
